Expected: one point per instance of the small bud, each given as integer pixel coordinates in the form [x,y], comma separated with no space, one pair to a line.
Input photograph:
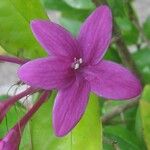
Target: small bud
[12,140]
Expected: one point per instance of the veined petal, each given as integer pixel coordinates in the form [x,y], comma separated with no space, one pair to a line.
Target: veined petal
[111,80]
[69,106]
[54,39]
[47,73]
[95,34]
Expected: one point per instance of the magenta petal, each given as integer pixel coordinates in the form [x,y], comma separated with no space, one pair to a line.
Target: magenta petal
[55,39]
[47,73]
[95,34]
[69,106]
[111,80]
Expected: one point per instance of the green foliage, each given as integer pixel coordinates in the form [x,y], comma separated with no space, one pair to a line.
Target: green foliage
[128,30]
[124,130]
[146,27]
[139,129]
[66,10]
[119,7]
[142,60]
[80,4]
[87,132]
[16,37]
[2,51]
[119,136]
[112,54]
[122,15]
[145,114]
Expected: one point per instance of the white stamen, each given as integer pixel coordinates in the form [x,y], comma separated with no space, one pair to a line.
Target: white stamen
[80,61]
[76,66]
[77,62]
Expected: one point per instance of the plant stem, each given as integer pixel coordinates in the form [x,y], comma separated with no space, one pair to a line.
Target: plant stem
[35,107]
[5,105]
[125,54]
[12,59]
[15,98]
[118,110]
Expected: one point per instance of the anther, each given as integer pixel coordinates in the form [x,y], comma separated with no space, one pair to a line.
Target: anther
[77,62]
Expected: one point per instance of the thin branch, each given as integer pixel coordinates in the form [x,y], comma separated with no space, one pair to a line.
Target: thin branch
[11,59]
[118,110]
[125,54]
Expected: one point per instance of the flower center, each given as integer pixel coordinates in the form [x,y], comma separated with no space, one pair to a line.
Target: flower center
[76,64]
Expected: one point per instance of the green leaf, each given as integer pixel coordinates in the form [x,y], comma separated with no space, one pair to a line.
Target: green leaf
[80,4]
[145,114]
[112,54]
[139,129]
[146,27]
[87,134]
[120,137]
[66,10]
[2,51]
[118,7]
[16,37]
[128,30]
[142,61]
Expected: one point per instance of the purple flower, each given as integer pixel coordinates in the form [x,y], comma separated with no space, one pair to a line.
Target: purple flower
[75,67]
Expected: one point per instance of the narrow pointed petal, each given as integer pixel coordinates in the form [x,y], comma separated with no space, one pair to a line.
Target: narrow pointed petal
[47,73]
[95,34]
[69,106]
[54,39]
[113,81]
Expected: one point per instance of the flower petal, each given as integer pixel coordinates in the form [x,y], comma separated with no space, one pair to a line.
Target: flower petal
[69,106]
[47,73]
[113,81]
[95,34]
[55,39]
